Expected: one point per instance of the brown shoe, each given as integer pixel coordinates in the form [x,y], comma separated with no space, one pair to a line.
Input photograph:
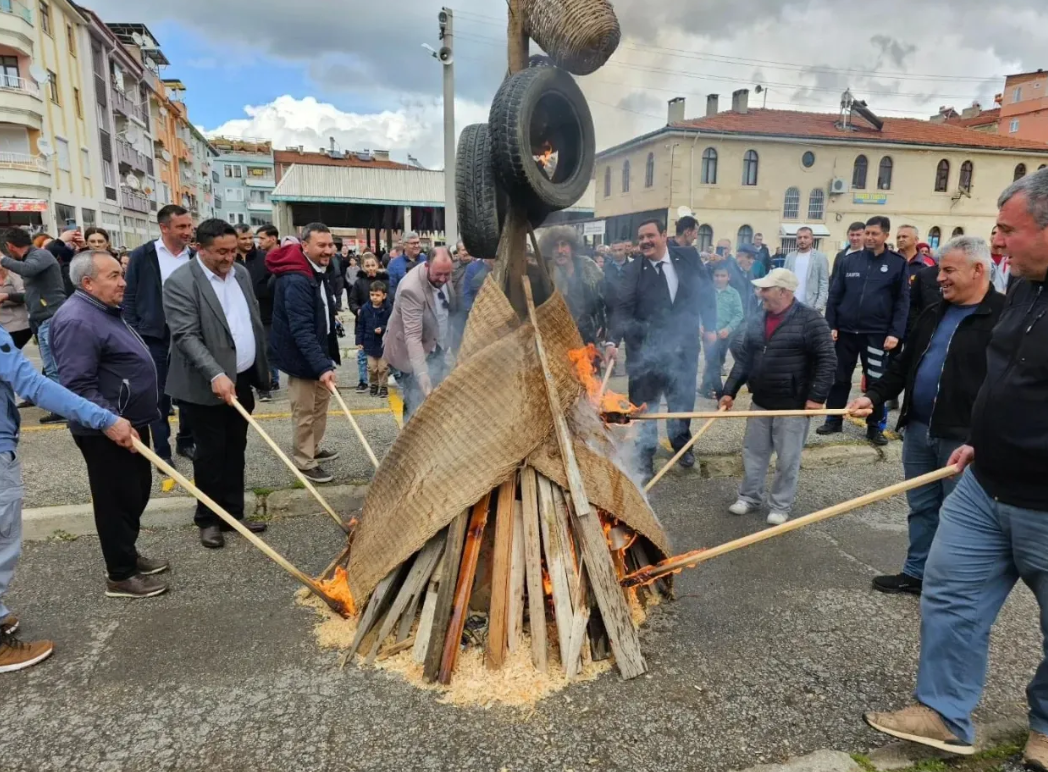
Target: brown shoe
[9,625]
[137,586]
[149,567]
[919,724]
[1035,755]
[16,655]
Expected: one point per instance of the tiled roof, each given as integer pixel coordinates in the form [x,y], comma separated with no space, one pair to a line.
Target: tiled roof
[322,159]
[985,118]
[804,125]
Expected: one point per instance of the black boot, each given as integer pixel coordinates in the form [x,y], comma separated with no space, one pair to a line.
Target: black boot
[374,390]
[362,387]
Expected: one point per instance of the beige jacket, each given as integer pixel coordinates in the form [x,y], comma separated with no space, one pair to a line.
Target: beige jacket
[14,315]
[413,329]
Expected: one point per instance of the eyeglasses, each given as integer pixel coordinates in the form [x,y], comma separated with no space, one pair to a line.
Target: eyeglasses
[443,299]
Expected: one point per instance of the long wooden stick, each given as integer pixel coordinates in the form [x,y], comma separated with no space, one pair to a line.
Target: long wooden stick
[739,414]
[672,565]
[239,527]
[604,381]
[669,464]
[289,464]
[353,423]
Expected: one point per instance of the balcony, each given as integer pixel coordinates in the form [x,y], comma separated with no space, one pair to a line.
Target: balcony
[133,200]
[128,156]
[267,183]
[122,104]
[259,206]
[20,102]
[23,170]
[16,26]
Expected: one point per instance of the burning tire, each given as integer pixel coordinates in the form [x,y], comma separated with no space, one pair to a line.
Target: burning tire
[476,193]
[542,139]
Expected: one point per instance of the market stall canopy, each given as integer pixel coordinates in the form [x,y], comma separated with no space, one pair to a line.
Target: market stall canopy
[23,205]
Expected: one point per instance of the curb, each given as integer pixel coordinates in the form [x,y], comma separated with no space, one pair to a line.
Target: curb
[71,520]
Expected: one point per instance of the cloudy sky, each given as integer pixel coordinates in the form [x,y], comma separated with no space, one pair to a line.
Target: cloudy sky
[300,72]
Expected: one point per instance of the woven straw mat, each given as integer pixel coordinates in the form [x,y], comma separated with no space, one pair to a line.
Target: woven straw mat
[578,35]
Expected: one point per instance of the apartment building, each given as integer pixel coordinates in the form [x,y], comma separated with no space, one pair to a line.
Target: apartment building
[244,178]
[203,169]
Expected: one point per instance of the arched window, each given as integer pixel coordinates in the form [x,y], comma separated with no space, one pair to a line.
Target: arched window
[859,173]
[705,240]
[744,236]
[942,176]
[934,237]
[607,181]
[709,166]
[966,176]
[791,206]
[625,176]
[958,231]
[1020,172]
[749,168]
[649,171]
[816,204]
[884,174]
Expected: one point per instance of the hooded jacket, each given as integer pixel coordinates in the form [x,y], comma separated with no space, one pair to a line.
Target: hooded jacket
[255,262]
[303,341]
[44,286]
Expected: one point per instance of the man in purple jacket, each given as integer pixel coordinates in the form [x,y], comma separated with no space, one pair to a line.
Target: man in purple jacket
[106,362]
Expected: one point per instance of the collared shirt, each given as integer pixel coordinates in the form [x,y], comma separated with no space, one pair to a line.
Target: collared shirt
[169,262]
[238,314]
[800,270]
[440,309]
[669,272]
[323,294]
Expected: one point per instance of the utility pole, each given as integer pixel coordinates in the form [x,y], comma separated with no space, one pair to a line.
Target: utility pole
[446,56]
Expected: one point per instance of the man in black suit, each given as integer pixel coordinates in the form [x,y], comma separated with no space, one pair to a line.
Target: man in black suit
[665,300]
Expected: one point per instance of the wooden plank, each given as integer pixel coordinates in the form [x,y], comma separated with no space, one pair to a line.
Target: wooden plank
[417,578]
[425,621]
[502,560]
[533,567]
[556,564]
[381,597]
[573,663]
[515,615]
[463,588]
[625,642]
[408,616]
[564,535]
[445,596]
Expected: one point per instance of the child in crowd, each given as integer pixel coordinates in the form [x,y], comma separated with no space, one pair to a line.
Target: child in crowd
[359,294]
[373,320]
[729,317]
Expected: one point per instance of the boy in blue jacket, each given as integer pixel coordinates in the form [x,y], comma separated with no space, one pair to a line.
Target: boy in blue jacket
[373,320]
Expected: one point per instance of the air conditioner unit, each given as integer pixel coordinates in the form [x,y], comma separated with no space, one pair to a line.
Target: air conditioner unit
[839,185]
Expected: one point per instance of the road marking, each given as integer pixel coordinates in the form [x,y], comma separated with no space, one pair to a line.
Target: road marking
[258,417]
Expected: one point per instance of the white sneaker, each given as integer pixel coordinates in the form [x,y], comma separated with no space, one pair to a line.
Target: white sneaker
[777,518]
[741,507]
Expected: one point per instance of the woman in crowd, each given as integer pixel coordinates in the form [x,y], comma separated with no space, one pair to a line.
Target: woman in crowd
[98,239]
[14,316]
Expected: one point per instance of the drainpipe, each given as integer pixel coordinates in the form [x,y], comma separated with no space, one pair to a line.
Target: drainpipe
[673,149]
[691,185]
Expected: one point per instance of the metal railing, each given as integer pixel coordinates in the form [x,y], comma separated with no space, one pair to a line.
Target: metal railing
[14,83]
[134,200]
[126,154]
[25,161]
[122,103]
[17,8]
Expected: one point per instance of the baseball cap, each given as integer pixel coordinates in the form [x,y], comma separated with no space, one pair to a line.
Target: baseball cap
[778,277]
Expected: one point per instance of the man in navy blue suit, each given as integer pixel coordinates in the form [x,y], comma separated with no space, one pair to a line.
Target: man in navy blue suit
[665,302]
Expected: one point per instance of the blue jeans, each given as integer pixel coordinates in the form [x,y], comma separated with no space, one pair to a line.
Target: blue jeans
[922,453]
[362,366]
[982,548]
[43,337]
[11,493]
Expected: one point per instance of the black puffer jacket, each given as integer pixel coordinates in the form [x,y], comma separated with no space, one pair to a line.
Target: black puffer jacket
[794,365]
[360,295]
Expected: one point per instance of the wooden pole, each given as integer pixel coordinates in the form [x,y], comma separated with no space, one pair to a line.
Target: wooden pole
[738,414]
[672,565]
[239,527]
[669,464]
[533,567]
[604,381]
[356,427]
[501,562]
[517,38]
[289,464]
[448,581]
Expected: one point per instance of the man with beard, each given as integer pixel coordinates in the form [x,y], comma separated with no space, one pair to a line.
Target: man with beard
[577,278]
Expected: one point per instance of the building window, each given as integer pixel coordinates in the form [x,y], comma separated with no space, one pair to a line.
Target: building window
[88,217]
[62,151]
[64,215]
[214,176]
[78,104]
[9,72]
[71,40]
[228,170]
[884,174]
[626,176]
[958,231]
[649,171]
[607,181]
[1014,125]
[750,162]
[1020,172]
[1018,95]
[859,173]
[816,204]
[85,162]
[808,159]
[52,87]
[744,236]
[238,171]
[792,205]
[107,174]
[966,176]
[705,240]
[709,166]
[45,18]
[934,237]
[942,176]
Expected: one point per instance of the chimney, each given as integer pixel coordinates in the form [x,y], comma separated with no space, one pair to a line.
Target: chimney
[712,105]
[740,100]
[676,111]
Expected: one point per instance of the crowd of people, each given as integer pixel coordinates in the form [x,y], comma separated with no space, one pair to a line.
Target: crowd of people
[209,315]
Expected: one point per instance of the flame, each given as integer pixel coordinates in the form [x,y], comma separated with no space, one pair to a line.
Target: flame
[546,154]
[337,588]
[583,363]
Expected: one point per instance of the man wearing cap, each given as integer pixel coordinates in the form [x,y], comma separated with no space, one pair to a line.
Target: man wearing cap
[812,270]
[785,357]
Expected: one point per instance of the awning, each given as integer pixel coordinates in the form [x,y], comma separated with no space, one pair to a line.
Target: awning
[789,230]
[23,205]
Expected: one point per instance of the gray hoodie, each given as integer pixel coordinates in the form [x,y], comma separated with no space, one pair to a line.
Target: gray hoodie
[44,286]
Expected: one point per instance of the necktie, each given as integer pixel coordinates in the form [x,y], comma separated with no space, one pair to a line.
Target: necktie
[662,277]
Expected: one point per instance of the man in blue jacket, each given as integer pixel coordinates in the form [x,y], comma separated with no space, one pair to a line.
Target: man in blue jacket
[18,375]
[150,266]
[867,313]
[304,341]
[399,266]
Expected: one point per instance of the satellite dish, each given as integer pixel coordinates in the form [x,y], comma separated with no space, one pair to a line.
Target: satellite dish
[166,155]
[139,40]
[38,73]
[132,182]
[44,147]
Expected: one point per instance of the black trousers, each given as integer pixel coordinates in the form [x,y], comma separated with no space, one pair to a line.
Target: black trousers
[221,439]
[867,348]
[120,483]
[21,337]
[676,380]
[160,351]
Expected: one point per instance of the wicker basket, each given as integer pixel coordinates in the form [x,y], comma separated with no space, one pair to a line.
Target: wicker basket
[579,35]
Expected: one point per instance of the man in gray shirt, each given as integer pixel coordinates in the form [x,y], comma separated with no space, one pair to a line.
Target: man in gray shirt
[812,270]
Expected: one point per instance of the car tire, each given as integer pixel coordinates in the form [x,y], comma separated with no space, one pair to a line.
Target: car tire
[542,103]
[477,193]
